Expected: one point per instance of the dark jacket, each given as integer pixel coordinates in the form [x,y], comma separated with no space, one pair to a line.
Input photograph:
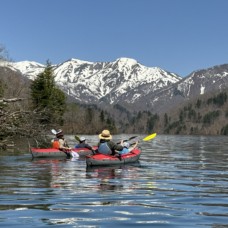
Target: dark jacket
[83,145]
[113,146]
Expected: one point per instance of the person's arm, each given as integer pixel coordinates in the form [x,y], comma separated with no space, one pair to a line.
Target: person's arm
[62,144]
[76,146]
[136,144]
[88,146]
[115,146]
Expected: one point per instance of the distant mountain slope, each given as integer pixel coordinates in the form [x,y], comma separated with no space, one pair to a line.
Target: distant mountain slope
[97,82]
[211,80]
[128,83]
[134,98]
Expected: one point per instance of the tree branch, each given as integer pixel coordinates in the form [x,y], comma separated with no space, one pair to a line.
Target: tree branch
[4,100]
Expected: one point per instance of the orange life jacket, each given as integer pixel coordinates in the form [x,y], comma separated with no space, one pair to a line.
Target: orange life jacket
[55,143]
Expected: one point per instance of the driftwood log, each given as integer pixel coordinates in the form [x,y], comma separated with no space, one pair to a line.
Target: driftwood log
[4,101]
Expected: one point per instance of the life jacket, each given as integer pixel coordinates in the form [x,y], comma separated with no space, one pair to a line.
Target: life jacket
[124,151]
[104,148]
[55,143]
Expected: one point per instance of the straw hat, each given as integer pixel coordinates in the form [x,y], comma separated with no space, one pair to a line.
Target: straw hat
[105,134]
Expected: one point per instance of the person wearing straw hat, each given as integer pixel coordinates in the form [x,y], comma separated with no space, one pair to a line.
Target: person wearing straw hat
[106,145]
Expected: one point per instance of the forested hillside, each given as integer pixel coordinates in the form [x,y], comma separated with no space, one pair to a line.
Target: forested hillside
[205,115]
[19,118]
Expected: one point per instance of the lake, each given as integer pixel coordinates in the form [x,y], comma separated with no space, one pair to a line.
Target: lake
[179,181]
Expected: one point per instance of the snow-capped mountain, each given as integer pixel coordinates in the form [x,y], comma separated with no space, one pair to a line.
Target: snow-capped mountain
[29,69]
[206,81]
[128,83]
[94,82]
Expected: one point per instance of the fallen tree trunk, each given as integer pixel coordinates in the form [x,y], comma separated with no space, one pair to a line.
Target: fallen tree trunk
[4,101]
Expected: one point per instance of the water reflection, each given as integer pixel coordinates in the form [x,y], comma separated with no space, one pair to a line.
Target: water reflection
[179,180]
[112,178]
[52,170]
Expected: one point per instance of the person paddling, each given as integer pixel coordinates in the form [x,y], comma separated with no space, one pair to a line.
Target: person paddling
[126,147]
[82,144]
[59,141]
[106,145]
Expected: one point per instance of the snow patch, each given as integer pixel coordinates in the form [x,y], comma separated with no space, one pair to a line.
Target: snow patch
[100,79]
[202,89]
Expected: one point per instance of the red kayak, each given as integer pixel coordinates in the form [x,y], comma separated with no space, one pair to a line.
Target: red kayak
[102,159]
[51,152]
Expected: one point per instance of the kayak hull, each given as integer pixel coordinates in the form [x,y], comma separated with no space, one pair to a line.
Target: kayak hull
[102,159]
[51,152]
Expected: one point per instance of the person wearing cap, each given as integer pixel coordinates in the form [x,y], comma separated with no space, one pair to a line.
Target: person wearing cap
[125,150]
[126,146]
[82,144]
[106,145]
[59,141]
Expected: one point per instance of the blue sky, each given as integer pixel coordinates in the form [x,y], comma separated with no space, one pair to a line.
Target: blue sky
[179,36]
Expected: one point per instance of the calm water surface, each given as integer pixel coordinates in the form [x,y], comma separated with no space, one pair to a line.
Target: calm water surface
[180,181]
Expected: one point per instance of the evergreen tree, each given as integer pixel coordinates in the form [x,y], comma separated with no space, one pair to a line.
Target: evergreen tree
[47,99]
[181,116]
[151,122]
[224,130]
[1,89]
[3,53]
[198,103]
[89,115]
[102,118]
[166,120]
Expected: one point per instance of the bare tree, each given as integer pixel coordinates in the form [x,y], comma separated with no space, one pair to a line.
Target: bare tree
[4,55]
[17,120]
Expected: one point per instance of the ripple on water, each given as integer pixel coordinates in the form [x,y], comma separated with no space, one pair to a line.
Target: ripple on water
[180,181]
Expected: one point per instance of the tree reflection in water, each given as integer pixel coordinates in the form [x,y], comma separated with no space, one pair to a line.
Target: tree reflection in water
[112,178]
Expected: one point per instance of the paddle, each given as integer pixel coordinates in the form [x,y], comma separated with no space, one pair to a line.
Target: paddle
[149,137]
[77,138]
[133,137]
[53,131]
[70,153]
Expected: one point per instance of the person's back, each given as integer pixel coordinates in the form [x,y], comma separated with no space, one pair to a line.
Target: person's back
[82,144]
[55,143]
[106,146]
[59,142]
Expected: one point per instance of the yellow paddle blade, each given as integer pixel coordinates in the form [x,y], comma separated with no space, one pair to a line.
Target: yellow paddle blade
[77,138]
[149,137]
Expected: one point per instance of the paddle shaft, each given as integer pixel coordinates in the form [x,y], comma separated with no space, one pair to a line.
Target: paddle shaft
[133,137]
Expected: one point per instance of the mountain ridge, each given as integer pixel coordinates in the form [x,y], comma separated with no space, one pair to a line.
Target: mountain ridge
[128,83]
[90,82]
[132,102]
